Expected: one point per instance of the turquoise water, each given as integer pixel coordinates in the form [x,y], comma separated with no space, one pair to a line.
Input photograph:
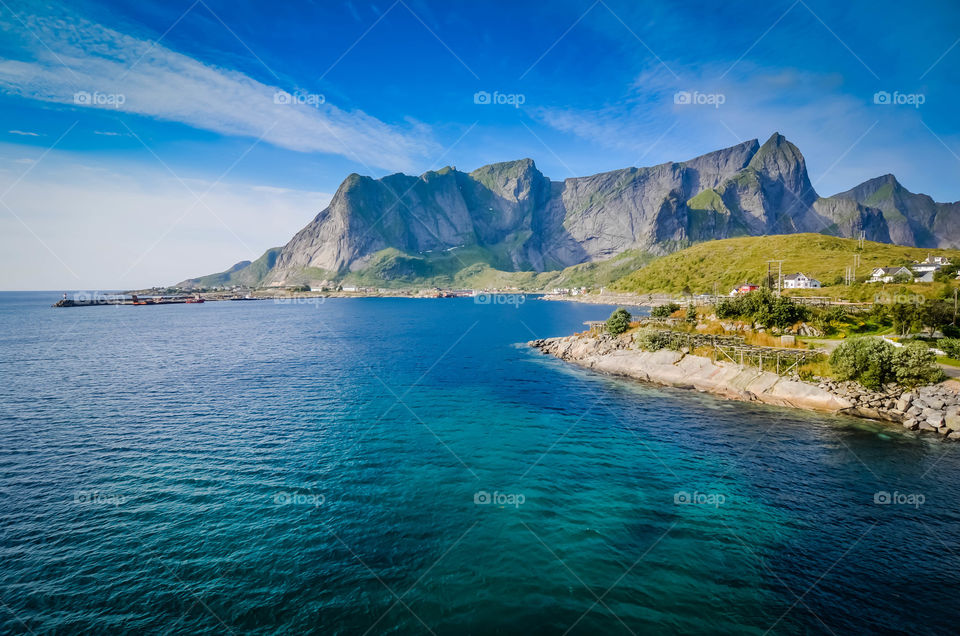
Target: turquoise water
[297,468]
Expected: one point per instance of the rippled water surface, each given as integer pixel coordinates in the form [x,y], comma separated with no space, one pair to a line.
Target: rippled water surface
[252,467]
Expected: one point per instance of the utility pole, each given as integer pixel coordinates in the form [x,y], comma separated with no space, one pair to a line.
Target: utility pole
[779,275]
[955,305]
[863,236]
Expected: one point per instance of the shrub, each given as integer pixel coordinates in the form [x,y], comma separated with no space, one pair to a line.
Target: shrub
[915,364]
[651,340]
[950,346]
[664,311]
[763,307]
[868,361]
[619,321]
[691,315]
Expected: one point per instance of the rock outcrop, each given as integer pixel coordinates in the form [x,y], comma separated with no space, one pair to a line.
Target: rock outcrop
[935,409]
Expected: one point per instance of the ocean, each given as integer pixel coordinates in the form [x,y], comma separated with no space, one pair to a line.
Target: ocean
[408,466]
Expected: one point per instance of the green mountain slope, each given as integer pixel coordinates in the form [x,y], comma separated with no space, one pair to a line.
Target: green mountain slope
[737,260]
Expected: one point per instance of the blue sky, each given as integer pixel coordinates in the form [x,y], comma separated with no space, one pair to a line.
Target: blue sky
[143,142]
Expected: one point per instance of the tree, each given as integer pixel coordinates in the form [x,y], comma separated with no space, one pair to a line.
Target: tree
[935,314]
[619,321]
[905,317]
[664,311]
[691,314]
[868,361]
[915,364]
[946,273]
[903,277]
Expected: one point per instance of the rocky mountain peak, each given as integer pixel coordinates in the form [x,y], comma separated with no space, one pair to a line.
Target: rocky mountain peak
[516,219]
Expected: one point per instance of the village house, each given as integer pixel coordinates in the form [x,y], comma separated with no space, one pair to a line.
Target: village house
[925,269]
[745,288]
[800,281]
[931,263]
[889,274]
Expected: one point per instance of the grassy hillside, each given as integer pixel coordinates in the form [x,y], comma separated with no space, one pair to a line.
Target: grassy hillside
[738,260]
[243,273]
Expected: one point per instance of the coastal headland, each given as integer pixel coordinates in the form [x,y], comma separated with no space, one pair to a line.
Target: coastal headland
[935,409]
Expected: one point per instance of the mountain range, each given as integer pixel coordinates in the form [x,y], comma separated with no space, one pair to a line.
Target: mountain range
[446,225]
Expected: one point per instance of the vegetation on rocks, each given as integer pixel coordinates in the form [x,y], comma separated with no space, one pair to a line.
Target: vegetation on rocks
[874,362]
[664,311]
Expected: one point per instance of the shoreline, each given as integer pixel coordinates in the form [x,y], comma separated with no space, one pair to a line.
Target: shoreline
[934,409]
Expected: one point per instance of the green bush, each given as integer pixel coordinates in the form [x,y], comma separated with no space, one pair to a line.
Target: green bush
[619,321]
[950,346]
[868,361]
[763,307]
[915,364]
[651,340]
[664,311]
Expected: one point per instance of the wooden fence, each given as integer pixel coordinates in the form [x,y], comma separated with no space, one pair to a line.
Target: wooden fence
[781,360]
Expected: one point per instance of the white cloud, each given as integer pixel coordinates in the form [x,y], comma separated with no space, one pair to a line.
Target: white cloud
[23,133]
[108,229]
[90,66]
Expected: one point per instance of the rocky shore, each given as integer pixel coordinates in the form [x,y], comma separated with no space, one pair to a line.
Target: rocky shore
[935,409]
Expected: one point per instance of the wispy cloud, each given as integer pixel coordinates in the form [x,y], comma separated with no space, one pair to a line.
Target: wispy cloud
[23,133]
[80,57]
[135,228]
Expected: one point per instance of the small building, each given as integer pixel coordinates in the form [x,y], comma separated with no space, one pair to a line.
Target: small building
[745,288]
[937,261]
[889,274]
[801,281]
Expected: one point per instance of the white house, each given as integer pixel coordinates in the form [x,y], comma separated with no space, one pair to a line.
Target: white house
[888,274]
[800,281]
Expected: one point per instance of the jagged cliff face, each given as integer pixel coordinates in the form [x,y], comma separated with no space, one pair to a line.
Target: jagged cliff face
[522,221]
